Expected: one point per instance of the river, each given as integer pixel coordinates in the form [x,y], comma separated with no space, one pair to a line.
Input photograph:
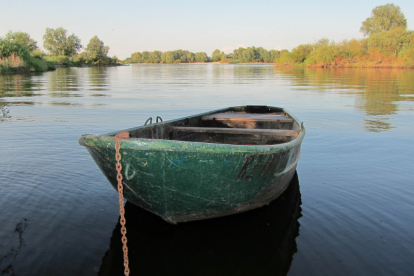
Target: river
[348,211]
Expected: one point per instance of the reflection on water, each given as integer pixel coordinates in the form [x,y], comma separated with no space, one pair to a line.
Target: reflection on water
[258,242]
[377,92]
[19,85]
[98,78]
[63,81]
[356,172]
[5,112]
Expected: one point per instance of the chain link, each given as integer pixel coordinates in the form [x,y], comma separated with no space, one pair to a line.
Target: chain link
[122,220]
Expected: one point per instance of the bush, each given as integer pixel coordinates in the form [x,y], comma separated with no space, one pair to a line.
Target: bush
[61,60]
[15,57]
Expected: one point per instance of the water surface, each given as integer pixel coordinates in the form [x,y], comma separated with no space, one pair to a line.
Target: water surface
[356,213]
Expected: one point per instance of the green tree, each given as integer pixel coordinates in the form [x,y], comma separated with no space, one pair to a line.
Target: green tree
[191,57]
[273,55]
[96,51]
[201,57]
[300,53]
[216,55]
[145,56]
[22,38]
[249,54]
[391,42]
[56,42]
[284,57]
[168,57]
[238,53]
[323,54]
[155,57]
[383,18]
[136,57]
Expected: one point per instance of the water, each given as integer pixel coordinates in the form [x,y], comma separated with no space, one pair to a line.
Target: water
[355,217]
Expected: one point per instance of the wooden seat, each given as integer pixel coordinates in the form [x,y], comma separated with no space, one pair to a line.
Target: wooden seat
[269,132]
[248,117]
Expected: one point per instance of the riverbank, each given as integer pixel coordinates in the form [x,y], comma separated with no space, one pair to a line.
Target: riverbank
[373,65]
[213,62]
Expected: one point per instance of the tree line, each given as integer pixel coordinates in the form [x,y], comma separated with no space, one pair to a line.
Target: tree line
[387,43]
[240,55]
[19,52]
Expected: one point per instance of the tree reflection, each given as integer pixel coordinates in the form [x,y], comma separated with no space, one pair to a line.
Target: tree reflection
[377,91]
[98,78]
[19,85]
[63,80]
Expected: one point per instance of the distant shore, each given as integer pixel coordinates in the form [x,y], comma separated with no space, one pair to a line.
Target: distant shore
[331,66]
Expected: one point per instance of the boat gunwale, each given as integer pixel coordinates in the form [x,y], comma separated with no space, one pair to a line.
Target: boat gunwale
[107,140]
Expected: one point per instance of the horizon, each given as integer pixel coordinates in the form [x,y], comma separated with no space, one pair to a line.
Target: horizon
[128,27]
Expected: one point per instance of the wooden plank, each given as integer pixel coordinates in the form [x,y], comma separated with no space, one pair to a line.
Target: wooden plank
[271,132]
[247,117]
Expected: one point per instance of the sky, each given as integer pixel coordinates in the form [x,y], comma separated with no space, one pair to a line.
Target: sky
[129,26]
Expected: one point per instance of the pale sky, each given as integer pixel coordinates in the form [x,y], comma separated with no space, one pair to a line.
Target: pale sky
[128,26]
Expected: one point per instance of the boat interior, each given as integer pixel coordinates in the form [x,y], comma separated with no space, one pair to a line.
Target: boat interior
[249,125]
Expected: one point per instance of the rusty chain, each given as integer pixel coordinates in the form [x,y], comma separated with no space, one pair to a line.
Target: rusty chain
[122,220]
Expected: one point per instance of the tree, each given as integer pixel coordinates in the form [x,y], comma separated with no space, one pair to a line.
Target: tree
[56,42]
[169,57]
[391,42]
[274,54]
[96,50]
[201,57]
[216,55]
[384,18]
[190,57]
[155,57]
[145,56]
[249,54]
[300,53]
[136,57]
[22,38]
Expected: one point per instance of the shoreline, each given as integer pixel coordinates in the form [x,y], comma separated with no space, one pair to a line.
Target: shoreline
[373,66]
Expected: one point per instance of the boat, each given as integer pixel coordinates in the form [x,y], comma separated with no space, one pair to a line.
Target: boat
[207,165]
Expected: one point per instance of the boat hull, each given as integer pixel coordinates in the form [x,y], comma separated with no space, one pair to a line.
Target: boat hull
[183,181]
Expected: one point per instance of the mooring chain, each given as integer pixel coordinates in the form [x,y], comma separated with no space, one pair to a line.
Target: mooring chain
[122,220]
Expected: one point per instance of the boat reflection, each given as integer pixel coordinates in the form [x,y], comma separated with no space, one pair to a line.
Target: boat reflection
[258,242]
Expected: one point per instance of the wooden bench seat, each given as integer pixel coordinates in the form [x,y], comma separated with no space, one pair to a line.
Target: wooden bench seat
[269,132]
[248,117]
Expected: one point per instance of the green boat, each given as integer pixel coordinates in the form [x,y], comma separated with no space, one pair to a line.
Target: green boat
[203,166]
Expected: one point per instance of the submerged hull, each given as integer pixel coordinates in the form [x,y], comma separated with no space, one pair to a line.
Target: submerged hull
[184,180]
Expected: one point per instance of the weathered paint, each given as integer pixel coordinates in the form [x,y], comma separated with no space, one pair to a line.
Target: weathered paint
[182,181]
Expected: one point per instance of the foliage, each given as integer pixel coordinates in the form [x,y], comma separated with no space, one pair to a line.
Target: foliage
[191,57]
[384,18]
[15,57]
[56,42]
[300,53]
[201,57]
[96,52]
[391,42]
[216,56]
[23,39]
[136,57]
[285,58]
[60,60]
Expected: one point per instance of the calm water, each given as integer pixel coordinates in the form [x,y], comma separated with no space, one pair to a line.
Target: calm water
[350,211]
